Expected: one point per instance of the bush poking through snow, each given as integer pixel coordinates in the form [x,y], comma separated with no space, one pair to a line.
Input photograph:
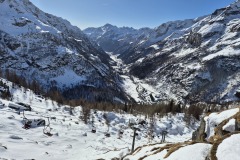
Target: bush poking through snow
[85,114]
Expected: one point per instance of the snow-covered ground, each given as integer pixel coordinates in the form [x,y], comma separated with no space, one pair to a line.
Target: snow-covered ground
[224,147]
[215,119]
[229,148]
[72,139]
[230,126]
[198,151]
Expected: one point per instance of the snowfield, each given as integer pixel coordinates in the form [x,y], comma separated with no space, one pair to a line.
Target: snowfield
[197,151]
[72,139]
[229,148]
[230,126]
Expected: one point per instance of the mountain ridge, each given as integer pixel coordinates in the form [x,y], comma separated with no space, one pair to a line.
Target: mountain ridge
[48,49]
[185,60]
[189,60]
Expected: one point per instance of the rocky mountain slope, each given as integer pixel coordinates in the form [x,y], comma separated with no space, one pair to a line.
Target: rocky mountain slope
[125,41]
[48,49]
[199,63]
[189,60]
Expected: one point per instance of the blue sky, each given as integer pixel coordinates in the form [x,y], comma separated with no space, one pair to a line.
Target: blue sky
[132,13]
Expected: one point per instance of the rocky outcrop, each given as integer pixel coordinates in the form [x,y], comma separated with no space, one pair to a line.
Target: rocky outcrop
[237,93]
[212,149]
[199,135]
[194,39]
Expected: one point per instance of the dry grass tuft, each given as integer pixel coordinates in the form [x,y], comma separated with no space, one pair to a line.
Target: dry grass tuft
[178,146]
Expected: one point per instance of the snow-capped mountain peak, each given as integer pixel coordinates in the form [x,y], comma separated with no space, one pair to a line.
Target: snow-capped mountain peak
[49,49]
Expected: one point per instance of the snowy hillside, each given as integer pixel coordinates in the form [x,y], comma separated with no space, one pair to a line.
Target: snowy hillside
[72,138]
[222,145]
[197,151]
[51,51]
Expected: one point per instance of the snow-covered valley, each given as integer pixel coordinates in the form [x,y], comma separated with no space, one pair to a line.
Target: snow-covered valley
[178,60]
[174,88]
[188,60]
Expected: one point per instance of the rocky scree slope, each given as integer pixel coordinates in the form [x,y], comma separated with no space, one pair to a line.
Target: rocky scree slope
[50,50]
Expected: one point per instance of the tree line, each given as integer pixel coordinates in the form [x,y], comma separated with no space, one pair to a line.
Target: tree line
[149,110]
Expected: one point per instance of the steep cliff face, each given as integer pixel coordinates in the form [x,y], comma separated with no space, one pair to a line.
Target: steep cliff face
[50,50]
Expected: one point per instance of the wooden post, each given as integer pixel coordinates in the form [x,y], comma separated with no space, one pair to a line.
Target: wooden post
[134,135]
[164,133]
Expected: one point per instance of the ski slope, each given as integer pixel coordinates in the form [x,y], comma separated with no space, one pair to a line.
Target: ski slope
[72,138]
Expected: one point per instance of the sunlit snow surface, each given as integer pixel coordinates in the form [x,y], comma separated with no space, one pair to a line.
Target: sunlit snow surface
[197,151]
[230,126]
[215,119]
[69,140]
[229,148]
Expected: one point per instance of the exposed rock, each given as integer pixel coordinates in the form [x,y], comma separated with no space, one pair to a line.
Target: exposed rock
[199,135]
[237,93]
[195,39]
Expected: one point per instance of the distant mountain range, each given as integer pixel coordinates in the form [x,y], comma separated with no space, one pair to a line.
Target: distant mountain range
[188,61]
